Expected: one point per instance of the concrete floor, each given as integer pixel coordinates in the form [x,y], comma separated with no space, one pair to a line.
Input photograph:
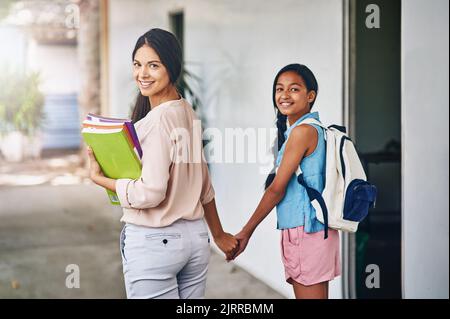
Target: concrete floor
[45,228]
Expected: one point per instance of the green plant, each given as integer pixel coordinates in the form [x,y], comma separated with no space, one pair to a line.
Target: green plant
[21,103]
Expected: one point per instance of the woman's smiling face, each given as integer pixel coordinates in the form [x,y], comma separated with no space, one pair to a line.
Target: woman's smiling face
[150,74]
[292,96]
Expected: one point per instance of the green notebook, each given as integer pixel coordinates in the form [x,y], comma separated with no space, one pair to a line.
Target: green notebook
[114,154]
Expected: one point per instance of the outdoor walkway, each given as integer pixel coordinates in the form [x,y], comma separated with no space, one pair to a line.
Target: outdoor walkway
[52,217]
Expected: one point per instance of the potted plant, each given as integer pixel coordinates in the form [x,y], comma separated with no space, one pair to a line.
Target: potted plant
[21,115]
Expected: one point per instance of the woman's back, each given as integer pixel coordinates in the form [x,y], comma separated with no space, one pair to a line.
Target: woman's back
[171,139]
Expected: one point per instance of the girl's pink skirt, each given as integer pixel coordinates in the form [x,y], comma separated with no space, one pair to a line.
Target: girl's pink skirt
[308,258]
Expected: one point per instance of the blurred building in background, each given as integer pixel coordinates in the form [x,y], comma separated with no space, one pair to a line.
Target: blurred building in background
[45,36]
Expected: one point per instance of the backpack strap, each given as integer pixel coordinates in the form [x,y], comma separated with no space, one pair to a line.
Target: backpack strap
[340,128]
[315,122]
[313,194]
[312,121]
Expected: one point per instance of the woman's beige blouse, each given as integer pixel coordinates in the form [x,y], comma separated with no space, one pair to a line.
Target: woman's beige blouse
[175,182]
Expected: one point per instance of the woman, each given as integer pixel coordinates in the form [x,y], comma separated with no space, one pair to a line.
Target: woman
[165,243]
[310,261]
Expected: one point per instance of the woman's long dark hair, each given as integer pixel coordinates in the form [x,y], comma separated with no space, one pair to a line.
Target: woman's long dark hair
[169,51]
[311,85]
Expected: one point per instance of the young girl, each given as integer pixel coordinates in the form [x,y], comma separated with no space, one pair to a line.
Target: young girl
[165,243]
[310,261]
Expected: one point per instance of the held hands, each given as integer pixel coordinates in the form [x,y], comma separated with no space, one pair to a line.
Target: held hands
[231,245]
[243,237]
[227,243]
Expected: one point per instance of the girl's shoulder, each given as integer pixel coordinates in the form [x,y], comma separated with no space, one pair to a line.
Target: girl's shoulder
[303,131]
[302,138]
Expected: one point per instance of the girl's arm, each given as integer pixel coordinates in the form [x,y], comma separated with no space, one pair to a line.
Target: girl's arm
[299,143]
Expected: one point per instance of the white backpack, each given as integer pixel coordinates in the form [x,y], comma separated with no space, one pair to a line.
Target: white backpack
[347,196]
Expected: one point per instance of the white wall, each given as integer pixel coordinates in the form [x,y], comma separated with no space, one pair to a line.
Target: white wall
[237,47]
[240,46]
[127,21]
[58,66]
[13,46]
[425,108]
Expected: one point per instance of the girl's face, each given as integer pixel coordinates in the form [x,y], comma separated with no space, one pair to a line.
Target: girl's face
[150,74]
[291,95]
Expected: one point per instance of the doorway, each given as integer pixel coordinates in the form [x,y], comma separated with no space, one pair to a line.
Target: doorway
[176,20]
[375,127]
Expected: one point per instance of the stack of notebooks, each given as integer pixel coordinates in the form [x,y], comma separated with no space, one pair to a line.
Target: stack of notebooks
[116,147]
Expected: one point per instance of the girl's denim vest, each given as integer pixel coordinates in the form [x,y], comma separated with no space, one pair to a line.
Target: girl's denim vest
[295,209]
